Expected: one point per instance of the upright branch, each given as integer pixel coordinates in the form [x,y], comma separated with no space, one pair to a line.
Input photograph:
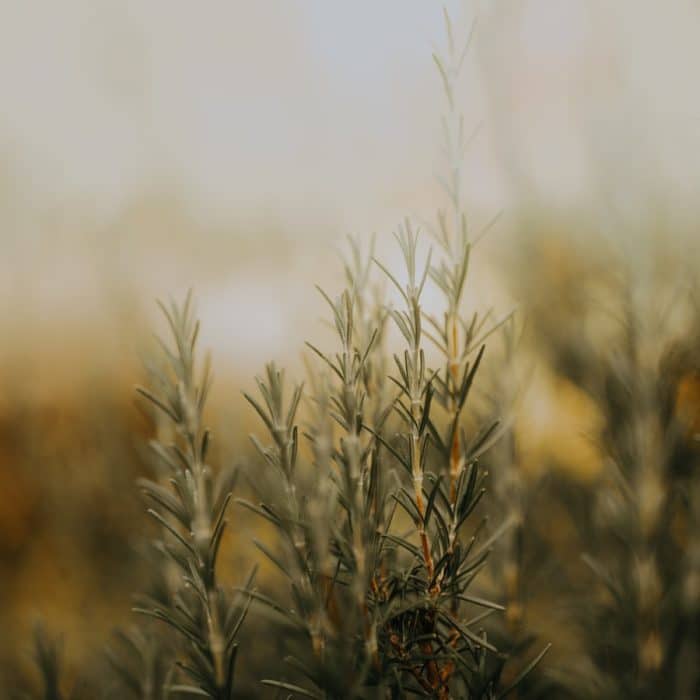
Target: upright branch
[415,386]
[191,514]
[354,371]
[454,338]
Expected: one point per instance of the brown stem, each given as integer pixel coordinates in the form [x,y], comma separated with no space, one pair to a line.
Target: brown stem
[431,666]
[453,365]
[455,464]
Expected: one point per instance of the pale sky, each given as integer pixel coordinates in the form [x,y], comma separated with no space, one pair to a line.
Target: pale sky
[125,123]
[332,106]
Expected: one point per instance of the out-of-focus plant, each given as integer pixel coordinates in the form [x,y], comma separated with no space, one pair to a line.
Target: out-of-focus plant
[635,553]
[519,565]
[637,609]
[49,667]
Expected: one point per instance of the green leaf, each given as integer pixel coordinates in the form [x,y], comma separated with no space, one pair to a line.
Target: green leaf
[157,402]
[431,500]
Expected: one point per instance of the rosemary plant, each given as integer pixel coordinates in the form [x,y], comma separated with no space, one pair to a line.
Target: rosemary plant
[642,621]
[637,612]
[377,547]
[191,514]
[395,481]
[48,663]
[375,502]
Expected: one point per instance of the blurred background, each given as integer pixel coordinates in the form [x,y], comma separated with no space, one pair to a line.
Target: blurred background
[146,148]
